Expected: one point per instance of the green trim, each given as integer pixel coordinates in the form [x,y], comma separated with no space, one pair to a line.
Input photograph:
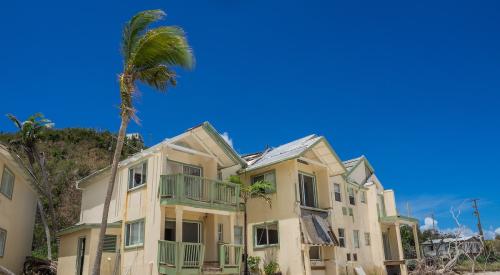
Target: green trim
[176,196]
[254,235]
[230,152]
[331,150]
[361,159]
[84,226]
[133,247]
[125,246]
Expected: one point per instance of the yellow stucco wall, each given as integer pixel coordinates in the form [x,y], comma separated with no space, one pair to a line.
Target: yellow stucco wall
[68,248]
[17,216]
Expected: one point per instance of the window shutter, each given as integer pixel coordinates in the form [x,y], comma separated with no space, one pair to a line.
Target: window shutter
[109,244]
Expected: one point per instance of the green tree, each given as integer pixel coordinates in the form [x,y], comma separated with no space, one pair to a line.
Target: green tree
[149,55]
[26,142]
[257,190]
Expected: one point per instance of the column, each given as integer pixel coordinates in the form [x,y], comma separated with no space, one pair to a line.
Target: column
[398,239]
[178,223]
[415,238]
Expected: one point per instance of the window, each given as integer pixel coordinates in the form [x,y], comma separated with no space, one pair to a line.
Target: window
[307,184]
[348,256]
[220,232]
[109,244]
[344,211]
[137,175]
[367,239]
[336,190]
[269,177]
[266,234]
[351,212]
[238,234]
[7,184]
[134,233]
[315,253]
[352,200]
[191,231]
[3,240]
[363,196]
[355,256]
[355,238]
[341,237]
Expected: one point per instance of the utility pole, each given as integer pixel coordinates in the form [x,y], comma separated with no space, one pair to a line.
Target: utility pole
[476,213]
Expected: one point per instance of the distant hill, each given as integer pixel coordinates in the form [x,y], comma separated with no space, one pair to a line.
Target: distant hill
[72,154]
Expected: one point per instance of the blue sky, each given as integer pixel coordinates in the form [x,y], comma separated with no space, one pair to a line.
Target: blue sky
[413,85]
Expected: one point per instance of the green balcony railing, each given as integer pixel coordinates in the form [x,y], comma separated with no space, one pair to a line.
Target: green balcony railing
[199,192]
[180,257]
[230,258]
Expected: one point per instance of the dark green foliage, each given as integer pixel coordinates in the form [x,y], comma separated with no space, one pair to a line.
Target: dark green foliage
[72,154]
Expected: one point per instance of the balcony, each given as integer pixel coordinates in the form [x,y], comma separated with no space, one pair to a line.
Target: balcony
[187,258]
[199,192]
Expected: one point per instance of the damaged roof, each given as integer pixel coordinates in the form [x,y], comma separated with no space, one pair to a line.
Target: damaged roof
[293,150]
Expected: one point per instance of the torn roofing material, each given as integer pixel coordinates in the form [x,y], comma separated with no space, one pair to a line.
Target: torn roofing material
[296,149]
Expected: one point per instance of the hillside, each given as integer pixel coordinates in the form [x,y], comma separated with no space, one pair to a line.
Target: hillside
[73,153]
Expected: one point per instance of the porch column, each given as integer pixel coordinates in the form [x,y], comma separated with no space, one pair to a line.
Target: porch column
[307,261]
[398,239]
[178,223]
[232,219]
[415,238]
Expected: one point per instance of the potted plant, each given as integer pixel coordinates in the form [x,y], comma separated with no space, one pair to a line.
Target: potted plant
[253,264]
[272,268]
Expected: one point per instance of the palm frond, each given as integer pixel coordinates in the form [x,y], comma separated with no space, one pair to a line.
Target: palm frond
[162,45]
[158,77]
[135,27]
[15,121]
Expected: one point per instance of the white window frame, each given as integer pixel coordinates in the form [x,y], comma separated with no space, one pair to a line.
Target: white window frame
[9,190]
[128,233]
[355,238]
[320,258]
[269,176]
[238,237]
[220,232]
[266,227]
[335,185]
[143,166]
[341,237]
[351,195]
[301,188]
[367,239]
[363,196]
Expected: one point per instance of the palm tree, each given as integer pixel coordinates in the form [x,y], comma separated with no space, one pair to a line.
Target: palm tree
[29,133]
[256,190]
[149,55]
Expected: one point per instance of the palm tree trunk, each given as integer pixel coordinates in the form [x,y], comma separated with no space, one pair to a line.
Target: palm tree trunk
[245,252]
[46,228]
[40,158]
[96,270]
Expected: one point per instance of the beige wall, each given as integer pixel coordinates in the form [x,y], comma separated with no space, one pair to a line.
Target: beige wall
[68,249]
[17,216]
[284,210]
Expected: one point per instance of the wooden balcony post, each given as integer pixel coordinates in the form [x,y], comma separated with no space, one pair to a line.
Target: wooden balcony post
[415,238]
